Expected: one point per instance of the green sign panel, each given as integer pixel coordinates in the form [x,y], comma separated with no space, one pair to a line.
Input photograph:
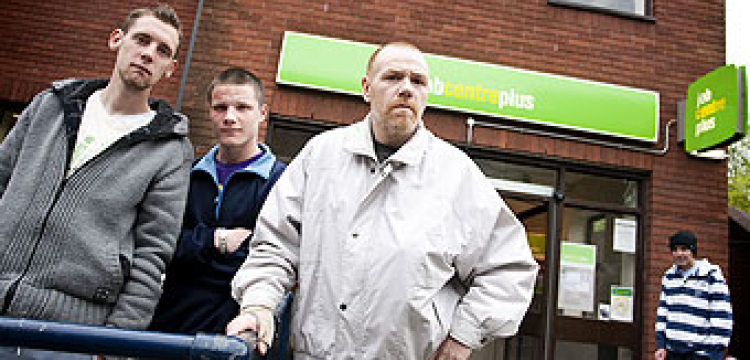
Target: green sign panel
[580,254]
[621,291]
[715,110]
[478,88]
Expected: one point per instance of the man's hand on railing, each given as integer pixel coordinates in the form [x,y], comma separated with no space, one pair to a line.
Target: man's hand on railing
[258,320]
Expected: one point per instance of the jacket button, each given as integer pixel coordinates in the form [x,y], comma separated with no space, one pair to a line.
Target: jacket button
[101,295]
[342,307]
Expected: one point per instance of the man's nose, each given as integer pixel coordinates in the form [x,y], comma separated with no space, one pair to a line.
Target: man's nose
[231,115]
[148,52]
[406,89]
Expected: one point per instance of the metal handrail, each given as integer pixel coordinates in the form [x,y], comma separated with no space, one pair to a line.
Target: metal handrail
[101,340]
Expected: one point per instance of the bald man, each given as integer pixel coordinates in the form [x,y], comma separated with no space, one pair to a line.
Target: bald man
[397,244]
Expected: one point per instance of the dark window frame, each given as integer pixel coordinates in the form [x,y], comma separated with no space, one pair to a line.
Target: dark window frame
[648,16]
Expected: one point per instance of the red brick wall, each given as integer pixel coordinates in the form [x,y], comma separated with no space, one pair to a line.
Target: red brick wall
[43,41]
[687,40]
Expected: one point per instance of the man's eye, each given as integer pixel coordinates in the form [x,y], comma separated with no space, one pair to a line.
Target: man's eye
[165,51]
[418,81]
[142,39]
[244,107]
[392,77]
[220,108]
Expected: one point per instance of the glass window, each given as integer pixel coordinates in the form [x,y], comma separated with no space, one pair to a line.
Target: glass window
[570,350]
[597,265]
[634,7]
[519,178]
[580,186]
[9,112]
[288,137]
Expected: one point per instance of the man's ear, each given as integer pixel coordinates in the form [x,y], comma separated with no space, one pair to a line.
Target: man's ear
[365,89]
[172,68]
[115,39]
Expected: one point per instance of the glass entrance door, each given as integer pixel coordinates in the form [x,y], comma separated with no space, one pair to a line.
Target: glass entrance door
[528,343]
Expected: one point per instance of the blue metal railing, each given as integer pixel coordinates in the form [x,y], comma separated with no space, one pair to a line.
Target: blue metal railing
[87,339]
[101,340]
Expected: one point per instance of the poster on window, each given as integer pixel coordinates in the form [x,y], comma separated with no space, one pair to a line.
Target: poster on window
[577,277]
[621,303]
[624,237]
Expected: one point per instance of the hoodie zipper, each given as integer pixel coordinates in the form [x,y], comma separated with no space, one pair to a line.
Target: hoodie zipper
[14,286]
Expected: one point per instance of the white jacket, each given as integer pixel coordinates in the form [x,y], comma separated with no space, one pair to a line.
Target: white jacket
[389,258]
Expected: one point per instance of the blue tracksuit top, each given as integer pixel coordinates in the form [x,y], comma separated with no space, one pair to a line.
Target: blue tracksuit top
[197,295]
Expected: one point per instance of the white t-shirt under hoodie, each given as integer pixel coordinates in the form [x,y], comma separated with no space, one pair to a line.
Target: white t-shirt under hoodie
[99,130]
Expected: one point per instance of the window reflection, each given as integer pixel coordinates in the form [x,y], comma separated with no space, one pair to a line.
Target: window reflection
[637,7]
[580,186]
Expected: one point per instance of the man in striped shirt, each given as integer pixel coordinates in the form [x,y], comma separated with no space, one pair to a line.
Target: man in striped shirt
[694,317]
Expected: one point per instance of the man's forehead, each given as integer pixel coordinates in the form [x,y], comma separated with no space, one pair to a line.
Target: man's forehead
[400,57]
[234,92]
[148,24]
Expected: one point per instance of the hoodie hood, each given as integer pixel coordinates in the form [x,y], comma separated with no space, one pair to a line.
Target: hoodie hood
[73,94]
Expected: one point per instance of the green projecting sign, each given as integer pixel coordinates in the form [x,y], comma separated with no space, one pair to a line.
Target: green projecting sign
[715,110]
[473,87]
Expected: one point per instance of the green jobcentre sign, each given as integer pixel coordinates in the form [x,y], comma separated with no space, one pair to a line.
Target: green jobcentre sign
[336,65]
[715,110]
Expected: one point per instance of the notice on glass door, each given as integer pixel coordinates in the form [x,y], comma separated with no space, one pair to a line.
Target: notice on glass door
[621,303]
[624,237]
[577,277]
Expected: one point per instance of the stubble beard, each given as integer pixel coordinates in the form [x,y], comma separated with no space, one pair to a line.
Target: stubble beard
[133,82]
[400,128]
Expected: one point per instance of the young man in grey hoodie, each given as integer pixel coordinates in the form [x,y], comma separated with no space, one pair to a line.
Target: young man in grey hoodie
[93,182]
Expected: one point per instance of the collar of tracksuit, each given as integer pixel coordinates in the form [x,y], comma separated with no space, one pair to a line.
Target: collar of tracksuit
[262,166]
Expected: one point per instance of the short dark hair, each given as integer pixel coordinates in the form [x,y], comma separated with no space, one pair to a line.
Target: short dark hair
[237,76]
[163,12]
[396,44]
[684,238]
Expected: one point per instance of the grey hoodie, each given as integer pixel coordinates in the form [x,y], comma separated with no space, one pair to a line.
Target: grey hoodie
[90,249]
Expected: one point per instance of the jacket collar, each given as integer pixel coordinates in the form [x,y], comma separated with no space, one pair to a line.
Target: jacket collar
[262,167]
[702,268]
[360,142]
[73,94]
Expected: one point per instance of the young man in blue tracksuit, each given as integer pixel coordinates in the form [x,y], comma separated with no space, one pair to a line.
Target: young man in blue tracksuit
[227,189]
[694,317]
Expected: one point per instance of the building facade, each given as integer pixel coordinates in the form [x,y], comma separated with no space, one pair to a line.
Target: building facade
[615,199]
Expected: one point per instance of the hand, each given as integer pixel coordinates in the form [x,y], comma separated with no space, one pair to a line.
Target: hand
[257,319]
[660,354]
[451,349]
[235,237]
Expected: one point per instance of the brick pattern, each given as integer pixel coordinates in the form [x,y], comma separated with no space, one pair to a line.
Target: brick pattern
[43,41]
[47,40]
